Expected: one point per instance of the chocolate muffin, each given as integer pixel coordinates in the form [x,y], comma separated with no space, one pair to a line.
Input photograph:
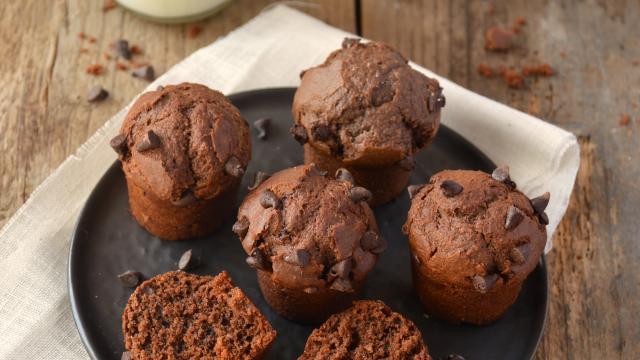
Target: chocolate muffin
[365,109]
[474,239]
[312,240]
[178,315]
[184,150]
[368,330]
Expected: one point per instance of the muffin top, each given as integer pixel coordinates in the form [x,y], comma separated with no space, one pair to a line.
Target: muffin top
[309,230]
[368,330]
[366,106]
[184,142]
[472,229]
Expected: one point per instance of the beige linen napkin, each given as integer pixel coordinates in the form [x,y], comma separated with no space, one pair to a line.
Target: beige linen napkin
[269,51]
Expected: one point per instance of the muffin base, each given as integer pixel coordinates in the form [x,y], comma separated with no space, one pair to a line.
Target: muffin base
[385,182]
[170,222]
[296,305]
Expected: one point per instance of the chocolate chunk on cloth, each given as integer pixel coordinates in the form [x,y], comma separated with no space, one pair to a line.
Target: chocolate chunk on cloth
[97,93]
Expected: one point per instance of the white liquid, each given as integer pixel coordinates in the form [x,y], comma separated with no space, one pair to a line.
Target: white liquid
[171,8]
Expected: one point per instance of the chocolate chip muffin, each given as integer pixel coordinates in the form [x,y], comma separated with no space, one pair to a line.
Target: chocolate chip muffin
[365,109]
[368,330]
[183,316]
[311,238]
[474,239]
[183,149]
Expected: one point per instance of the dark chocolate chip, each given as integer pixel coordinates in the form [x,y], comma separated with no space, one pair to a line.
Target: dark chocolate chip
[258,179]
[122,49]
[407,164]
[188,261]
[187,199]
[299,134]
[413,190]
[269,200]
[321,132]
[262,125]
[341,269]
[258,260]
[148,142]
[516,256]
[450,188]
[234,167]
[514,218]
[358,193]
[130,278]
[343,174]
[144,72]
[502,174]
[441,101]
[349,42]
[544,219]
[298,257]
[97,93]
[373,242]
[119,144]
[310,290]
[241,227]
[125,356]
[341,284]
[540,203]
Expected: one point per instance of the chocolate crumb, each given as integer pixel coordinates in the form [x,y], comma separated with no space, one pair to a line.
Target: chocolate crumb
[97,93]
[130,278]
[358,193]
[451,188]
[262,125]
[537,70]
[122,49]
[484,70]
[498,39]
[321,132]
[119,144]
[514,218]
[145,72]
[625,120]
[413,190]
[299,134]
[135,50]
[108,6]
[121,66]
[193,31]
[513,79]
[187,261]
[258,179]
[149,141]
[269,200]
[233,167]
[94,69]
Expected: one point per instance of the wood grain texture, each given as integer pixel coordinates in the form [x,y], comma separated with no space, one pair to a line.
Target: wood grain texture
[594,48]
[44,114]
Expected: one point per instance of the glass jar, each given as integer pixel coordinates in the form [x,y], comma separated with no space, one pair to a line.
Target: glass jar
[173,11]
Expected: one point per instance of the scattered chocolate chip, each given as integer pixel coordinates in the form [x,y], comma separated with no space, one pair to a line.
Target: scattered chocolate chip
[498,39]
[298,257]
[544,219]
[343,174]
[122,49]
[349,42]
[258,260]
[516,256]
[310,290]
[341,269]
[119,144]
[187,199]
[321,132]
[358,193]
[148,142]
[144,72]
[479,283]
[241,227]
[407,164]
[269,200]
[373,242]
[413,190]
[160,88]
[262,125]
[97,93]
[187,261]
[299,134]
[125,356]
[450,188]
[130,278]
[514,218]
[540,203]
[258,179]
[502,174]
[234,167]
[341,284]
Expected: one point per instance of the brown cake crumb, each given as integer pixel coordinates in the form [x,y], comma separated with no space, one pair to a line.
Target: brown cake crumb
[193,31]
[513,79]
[92,40]
[94,69]
[109,5]
[625,120]
[135,49]
[484,70]
[498,39]
[121,66]
[537,70]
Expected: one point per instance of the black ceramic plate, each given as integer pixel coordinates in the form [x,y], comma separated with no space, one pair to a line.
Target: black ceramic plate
[107,241]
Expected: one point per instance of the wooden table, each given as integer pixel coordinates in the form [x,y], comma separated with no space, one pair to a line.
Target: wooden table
[594,48]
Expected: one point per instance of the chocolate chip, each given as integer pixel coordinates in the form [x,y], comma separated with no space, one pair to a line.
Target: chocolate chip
[258,260]
[341,284]
[358,193]
[341,269]
[407,164]
[241,227]
[502,174]
[343,174]
[97,93]
[125,356]
[144,72]
[187,199]
[516,256]
[321,132]
[188,261]
[148,142]
[450,188]
[413,190]
[544,219]
[130,278]
[122,49]
[299,134]
[258,179]
[435,102]
[372,242]
[234,167]
[262,125]
[119,144]
[310,290]
[514,218]
[540,203]
[298,257]
[269,200]
[349,42]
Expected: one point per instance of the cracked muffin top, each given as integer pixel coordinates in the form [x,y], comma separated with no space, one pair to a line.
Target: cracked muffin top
[472,229]
[184,141]
[309,230]
[366,106]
